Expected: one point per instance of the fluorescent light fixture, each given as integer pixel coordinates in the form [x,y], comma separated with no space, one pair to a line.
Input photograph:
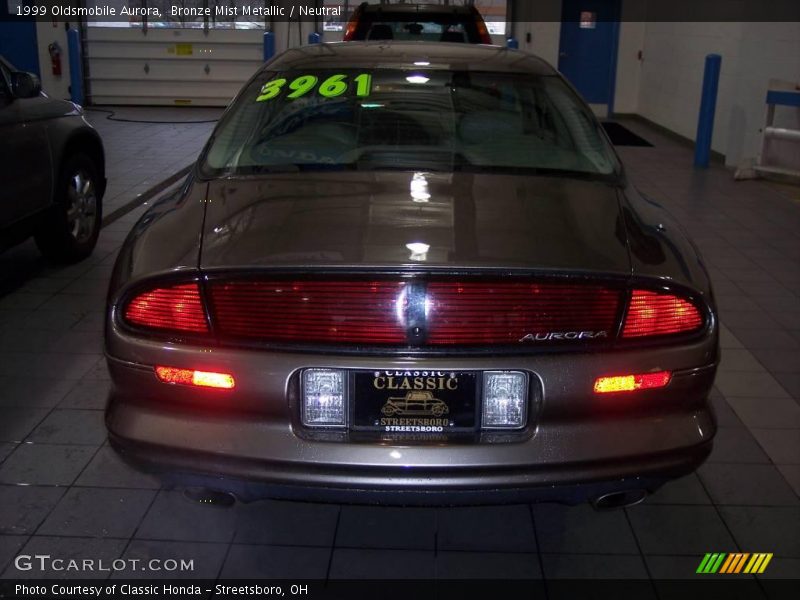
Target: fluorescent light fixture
[419,79]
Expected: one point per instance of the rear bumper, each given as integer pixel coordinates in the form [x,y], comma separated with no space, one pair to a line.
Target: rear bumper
[248,441]
[255,480]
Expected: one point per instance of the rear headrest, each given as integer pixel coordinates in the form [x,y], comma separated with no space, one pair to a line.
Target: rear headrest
[380,32]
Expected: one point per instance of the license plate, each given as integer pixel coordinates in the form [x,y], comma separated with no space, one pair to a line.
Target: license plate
[416,402]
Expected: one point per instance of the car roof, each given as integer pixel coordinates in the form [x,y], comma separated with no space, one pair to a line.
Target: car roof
[391,54]
[415,8]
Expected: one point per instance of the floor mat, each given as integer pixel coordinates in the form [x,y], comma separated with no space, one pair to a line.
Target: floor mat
[622,136]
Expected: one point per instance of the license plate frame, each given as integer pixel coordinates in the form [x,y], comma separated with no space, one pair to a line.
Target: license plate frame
[416,402]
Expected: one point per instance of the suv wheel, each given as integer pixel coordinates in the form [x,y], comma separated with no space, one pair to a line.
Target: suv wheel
[69,233]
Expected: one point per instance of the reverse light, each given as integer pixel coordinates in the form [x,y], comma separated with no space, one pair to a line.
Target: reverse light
[653,313]
[174,308]
[323,398]
[505,399]
[631,383]
[208,379]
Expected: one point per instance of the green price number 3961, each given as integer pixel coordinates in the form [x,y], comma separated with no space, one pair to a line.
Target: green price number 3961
[333,86]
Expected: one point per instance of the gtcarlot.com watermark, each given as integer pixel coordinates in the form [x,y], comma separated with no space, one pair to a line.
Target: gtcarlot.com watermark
[30,564]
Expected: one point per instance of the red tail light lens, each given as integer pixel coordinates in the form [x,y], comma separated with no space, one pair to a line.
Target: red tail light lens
[653,313]
[631,383]
[360,312]
[483,31]
[174,308]
[350,29]
[209,379]
[519,312]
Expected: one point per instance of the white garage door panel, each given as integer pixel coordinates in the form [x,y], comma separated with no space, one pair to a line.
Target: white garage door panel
[239,71]
[167,66]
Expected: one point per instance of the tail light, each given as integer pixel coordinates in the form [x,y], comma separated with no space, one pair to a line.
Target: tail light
[631,383]
[653,314]
[172,308]
[483,31]
[352,24]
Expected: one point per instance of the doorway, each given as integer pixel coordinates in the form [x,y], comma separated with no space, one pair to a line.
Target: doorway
[588,50]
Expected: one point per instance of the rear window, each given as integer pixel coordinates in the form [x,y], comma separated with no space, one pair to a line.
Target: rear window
[428,119]
[445,27]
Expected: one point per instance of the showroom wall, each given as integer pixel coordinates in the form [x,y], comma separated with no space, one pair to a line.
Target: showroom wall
[752,55]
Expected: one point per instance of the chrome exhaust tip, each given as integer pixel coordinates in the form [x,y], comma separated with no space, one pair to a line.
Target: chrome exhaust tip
[619,499]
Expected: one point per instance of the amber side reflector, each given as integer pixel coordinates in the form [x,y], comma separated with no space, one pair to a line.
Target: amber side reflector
[631,383]
[223,381]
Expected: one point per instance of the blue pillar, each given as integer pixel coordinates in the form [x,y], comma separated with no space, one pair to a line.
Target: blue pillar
[512,43]
[314,38]
[269,45]
[75,65]
[708,106]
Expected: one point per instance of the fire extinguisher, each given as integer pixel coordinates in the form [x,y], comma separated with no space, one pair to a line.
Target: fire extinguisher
[55,58]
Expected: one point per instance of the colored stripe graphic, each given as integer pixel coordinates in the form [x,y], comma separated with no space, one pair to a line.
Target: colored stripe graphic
[711,562]
[734,563]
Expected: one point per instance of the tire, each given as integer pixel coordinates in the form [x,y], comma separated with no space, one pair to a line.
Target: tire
[69,232]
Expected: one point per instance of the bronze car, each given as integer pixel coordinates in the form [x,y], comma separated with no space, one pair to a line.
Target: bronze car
[373,220]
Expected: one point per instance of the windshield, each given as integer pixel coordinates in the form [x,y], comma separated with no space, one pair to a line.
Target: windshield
[434,120]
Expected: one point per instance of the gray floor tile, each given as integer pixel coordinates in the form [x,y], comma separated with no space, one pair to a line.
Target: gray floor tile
[486,528]
[108,470]
[276,562]
[679,529]
[726,417]
[98,512]
[790,382]
[780,361]
[88,394]
[33,393]
[382,564]
[765,528]
[767,413]
[749,384]
[593,566]
[754,485]
[739,359]
[781,445]
[45,464]
[6,448]
[286,523]
[792,475]
[173,517]
[10,546]
[487,565]
[25,507]
[68,426]
[737,445]
[387,527]
[686,490]
[192,560]
[101,552]
[582,530]
[17,423]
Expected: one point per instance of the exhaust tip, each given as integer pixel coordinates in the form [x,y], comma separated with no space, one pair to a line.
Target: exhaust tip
[209,497]
[619,499]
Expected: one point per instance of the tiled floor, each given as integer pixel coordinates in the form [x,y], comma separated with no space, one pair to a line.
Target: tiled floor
[140,155]
[79,500]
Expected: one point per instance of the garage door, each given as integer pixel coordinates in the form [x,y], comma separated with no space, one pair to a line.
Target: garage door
[166,66]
